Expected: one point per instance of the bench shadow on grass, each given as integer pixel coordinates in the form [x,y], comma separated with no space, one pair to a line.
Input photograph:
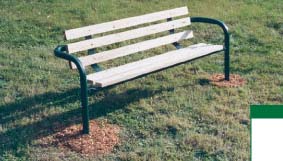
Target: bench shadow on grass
[21,136]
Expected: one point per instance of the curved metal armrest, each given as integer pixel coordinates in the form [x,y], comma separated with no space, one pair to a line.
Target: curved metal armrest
[211,21]
[216,22]
[61,52]
[226,40]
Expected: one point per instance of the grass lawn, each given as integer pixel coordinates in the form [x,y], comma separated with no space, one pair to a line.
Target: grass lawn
[170,115]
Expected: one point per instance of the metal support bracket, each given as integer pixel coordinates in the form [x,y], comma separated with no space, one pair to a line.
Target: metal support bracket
[176,44]
[95,67]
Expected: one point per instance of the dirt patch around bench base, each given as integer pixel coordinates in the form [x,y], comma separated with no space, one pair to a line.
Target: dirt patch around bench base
[235,80]
[102,139]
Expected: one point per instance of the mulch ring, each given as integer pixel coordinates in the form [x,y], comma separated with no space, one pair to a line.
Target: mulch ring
[102,138]
[235,80]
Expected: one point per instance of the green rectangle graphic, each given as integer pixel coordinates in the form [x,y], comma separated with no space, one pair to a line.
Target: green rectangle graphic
[266,111]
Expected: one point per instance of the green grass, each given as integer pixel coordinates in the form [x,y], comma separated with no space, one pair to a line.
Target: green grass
[170,115]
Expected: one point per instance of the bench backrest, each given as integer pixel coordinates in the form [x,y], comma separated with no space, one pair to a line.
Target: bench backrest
[96,42]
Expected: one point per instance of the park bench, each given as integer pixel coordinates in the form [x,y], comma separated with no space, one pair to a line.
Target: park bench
[145,25]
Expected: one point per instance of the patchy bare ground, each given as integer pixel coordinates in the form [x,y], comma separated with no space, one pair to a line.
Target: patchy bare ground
[102,138]
[235,80]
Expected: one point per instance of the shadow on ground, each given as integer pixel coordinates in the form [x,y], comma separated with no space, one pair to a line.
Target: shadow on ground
[21,136]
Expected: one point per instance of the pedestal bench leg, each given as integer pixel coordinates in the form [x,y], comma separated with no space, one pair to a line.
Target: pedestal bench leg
[85,111]
[227,57]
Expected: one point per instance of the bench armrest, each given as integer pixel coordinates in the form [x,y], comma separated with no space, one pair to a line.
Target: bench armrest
[226,40]
[215,22]
[61,52]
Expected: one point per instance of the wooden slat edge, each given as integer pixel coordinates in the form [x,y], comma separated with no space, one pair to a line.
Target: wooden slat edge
[133,48]
[127,35]
[124,23]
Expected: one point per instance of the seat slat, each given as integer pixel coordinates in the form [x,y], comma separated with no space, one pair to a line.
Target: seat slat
[127,35]
[124,68]
[135,69]
[134,48]
[129,66]
[124,23]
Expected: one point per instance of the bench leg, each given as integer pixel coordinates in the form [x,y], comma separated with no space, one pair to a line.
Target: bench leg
[85,111]
[227,58]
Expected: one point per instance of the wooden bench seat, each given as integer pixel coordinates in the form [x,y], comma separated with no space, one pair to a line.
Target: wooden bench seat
[128,71]
[155,30]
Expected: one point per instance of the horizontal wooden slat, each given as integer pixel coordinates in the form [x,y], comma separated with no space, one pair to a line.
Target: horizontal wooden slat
[125,68]
[127,35]
[134,48]
[124,23]
[135,69]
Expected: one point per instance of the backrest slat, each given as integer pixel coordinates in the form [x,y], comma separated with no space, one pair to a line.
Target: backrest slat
[124,23]
[134,48]
[127,35]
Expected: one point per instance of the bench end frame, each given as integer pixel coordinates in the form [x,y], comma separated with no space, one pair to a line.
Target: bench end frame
[61,52]
[225,29]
